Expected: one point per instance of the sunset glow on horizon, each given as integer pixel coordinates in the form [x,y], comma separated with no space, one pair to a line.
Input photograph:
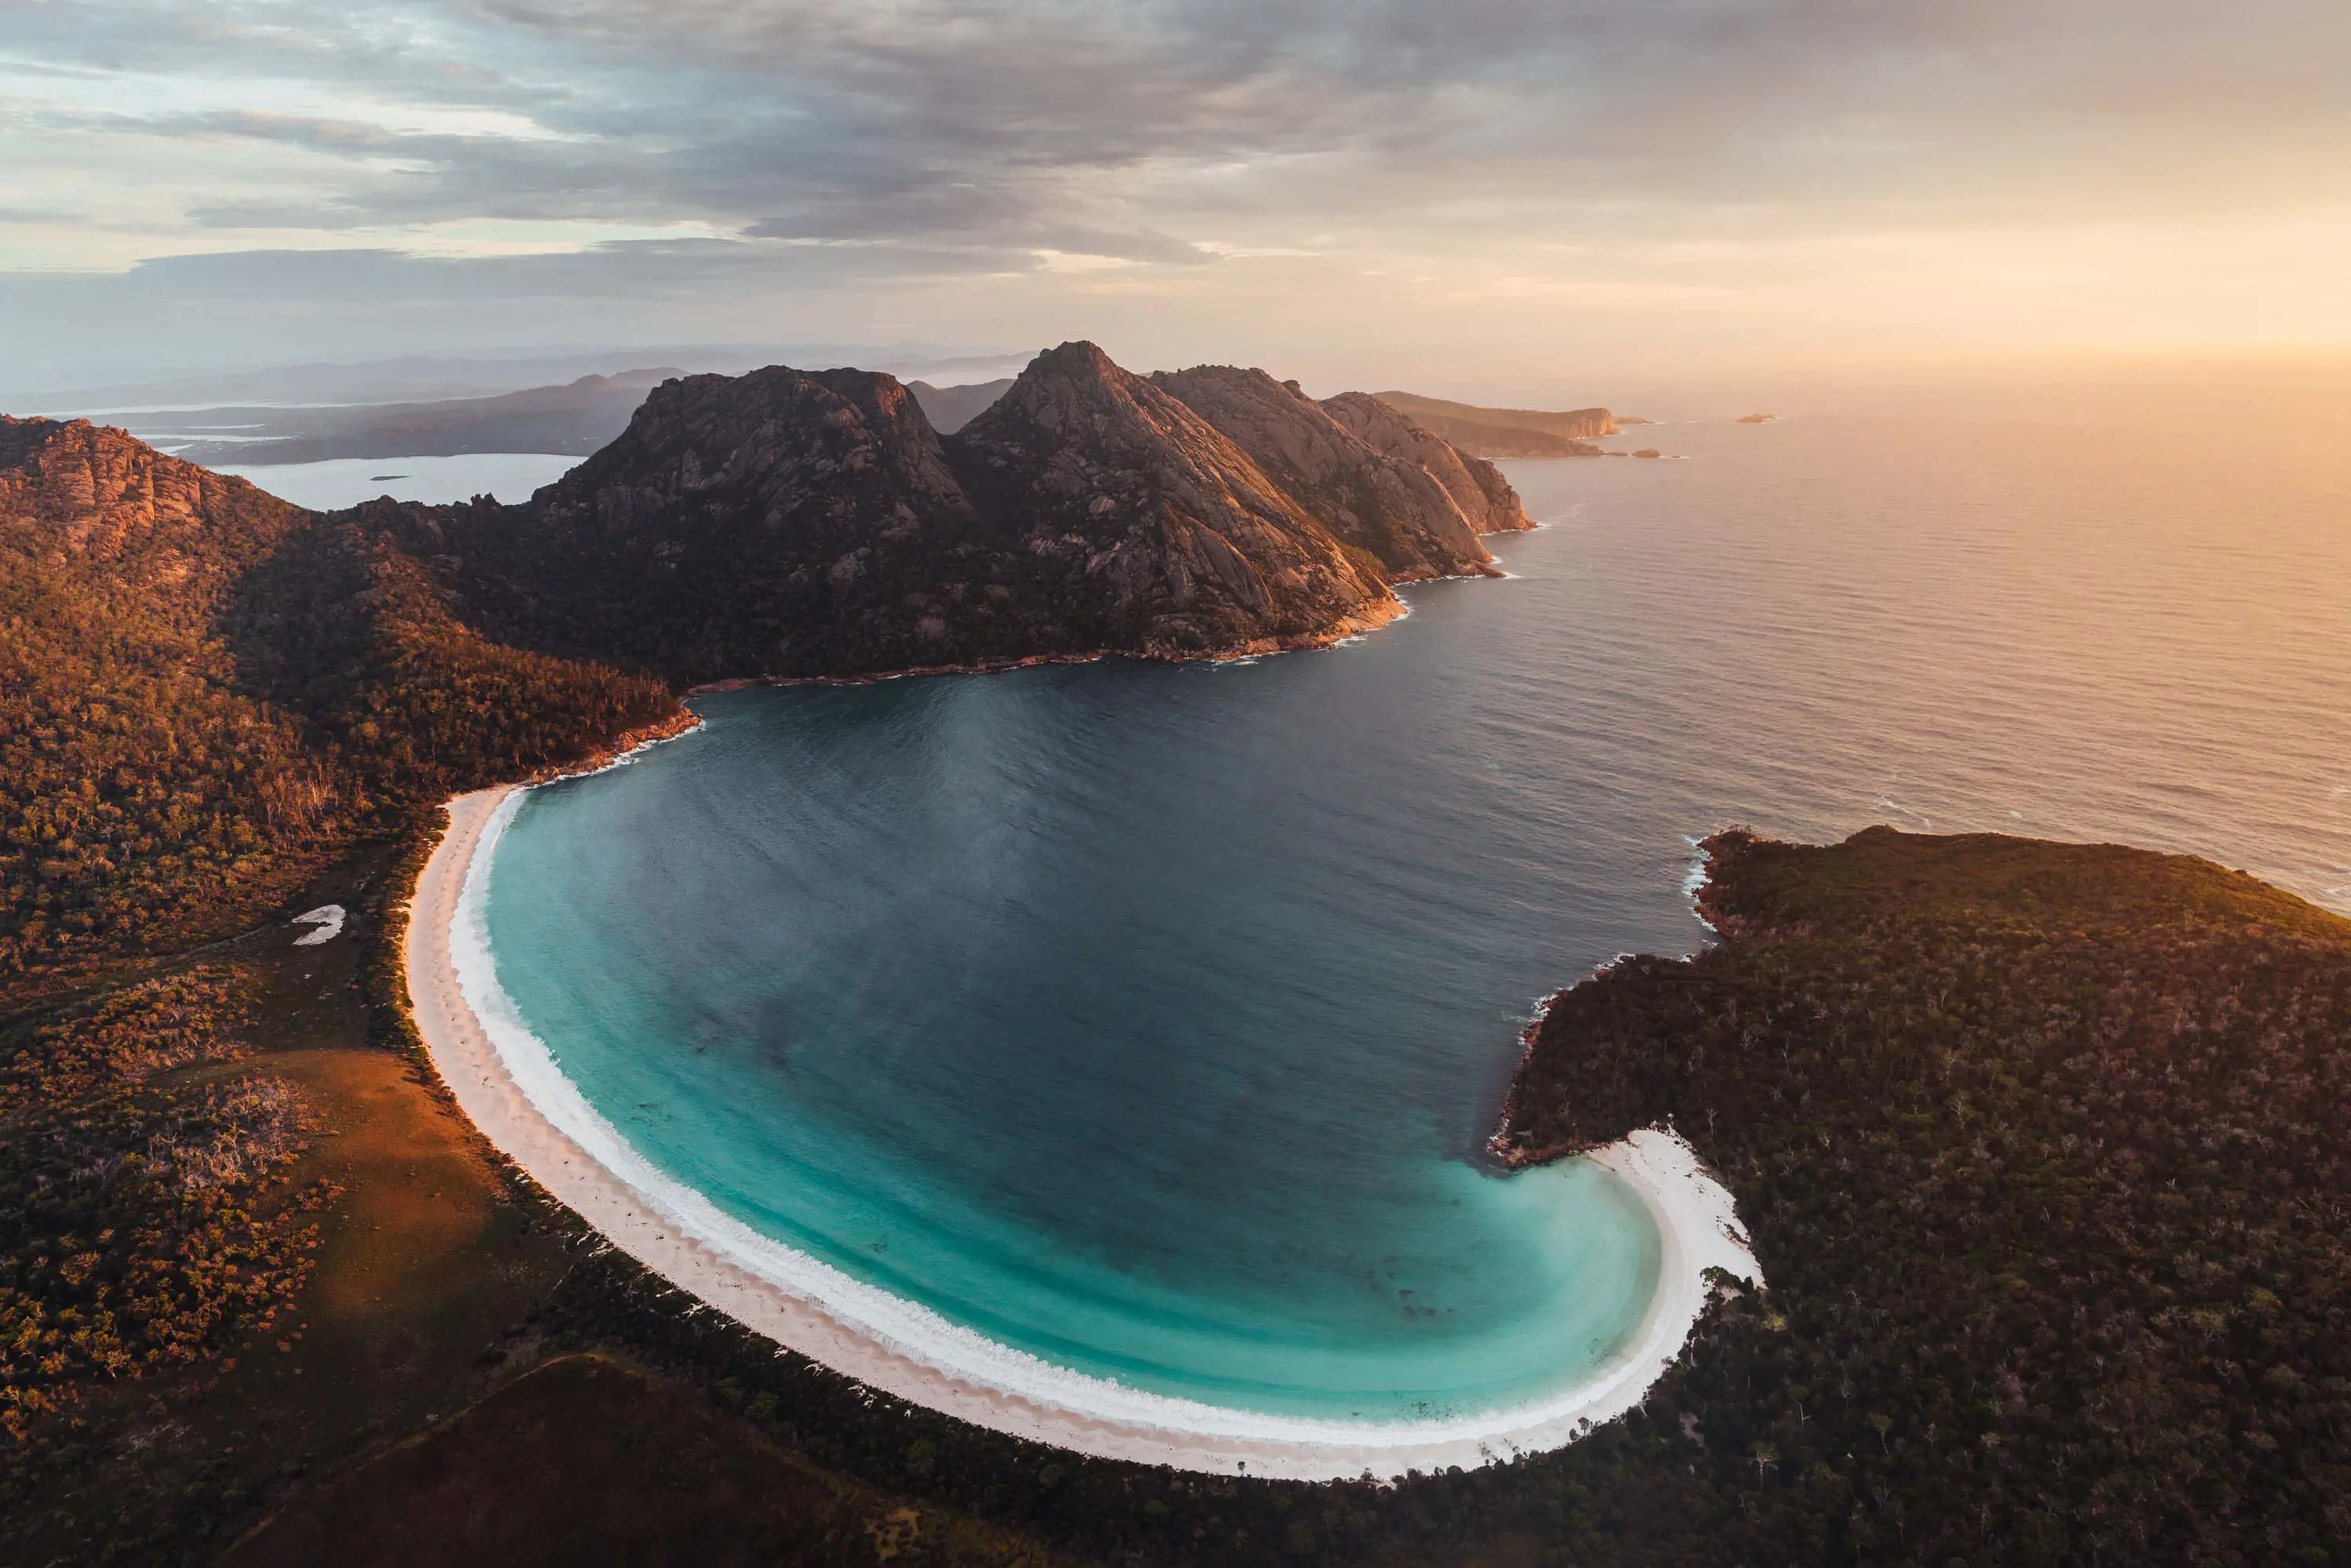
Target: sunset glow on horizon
[1503,195]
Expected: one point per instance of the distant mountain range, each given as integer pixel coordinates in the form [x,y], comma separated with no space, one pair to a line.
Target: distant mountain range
[580,416]
[576,418]
[424,377]
[949,409]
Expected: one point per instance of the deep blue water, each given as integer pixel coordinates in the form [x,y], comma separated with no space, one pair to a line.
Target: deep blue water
[1147,1018]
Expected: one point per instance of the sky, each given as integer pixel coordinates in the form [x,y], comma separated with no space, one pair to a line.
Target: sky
[1476,197]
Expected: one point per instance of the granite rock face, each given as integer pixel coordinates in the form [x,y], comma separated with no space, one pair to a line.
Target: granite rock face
[101,492]
[1160,533]
[1385,505]
[780,522]
[1477,487]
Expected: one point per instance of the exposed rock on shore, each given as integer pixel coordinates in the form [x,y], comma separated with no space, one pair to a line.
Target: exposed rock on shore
[1477,487]
[1376,500]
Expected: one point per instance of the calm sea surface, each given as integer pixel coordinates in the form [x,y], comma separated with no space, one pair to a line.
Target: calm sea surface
[437,481]
[1146,1018]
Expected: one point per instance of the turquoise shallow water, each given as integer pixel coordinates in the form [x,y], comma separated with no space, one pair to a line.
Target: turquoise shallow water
[1147,1018]
[1053,1001]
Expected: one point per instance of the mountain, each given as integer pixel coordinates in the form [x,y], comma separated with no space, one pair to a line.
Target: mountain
[577,417]
[1507,431]
[204,690]
[949,409]
[780,522]
[1385,503]
[796,523]
[1169,538]
[1477,487]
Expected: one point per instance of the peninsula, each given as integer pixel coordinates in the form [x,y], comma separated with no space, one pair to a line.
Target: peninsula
[2038,1146]
[1509,431]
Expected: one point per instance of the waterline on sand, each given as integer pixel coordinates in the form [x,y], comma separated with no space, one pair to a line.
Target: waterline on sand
[509,1082]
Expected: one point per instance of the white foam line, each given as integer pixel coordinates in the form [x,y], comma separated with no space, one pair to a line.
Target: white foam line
[509,1082]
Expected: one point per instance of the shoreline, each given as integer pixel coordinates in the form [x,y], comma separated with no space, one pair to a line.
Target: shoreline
[1346,630]
[506,1083]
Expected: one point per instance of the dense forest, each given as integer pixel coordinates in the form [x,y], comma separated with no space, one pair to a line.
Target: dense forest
[206,692]
[2042,1151]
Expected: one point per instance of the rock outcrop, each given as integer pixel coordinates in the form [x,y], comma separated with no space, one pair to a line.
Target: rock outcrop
[1387,506]
[1477,487]
[1155,532]
[92,490]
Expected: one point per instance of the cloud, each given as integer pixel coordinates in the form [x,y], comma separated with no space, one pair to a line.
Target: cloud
[904,141]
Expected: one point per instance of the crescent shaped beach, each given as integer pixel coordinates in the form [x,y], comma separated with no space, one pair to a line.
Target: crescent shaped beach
[507,1082]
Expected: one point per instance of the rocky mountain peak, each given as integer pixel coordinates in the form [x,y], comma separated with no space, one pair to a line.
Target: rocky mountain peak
[1112,472]
[102,491]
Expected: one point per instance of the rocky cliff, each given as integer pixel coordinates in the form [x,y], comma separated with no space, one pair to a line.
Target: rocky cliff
[1477,487]
[1159,533]
[784,521]
[1387,505]
[795,524]
[96,493]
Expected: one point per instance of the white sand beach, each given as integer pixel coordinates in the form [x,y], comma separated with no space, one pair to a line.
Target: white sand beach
[507,1082]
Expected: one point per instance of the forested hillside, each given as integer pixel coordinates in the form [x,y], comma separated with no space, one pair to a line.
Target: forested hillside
[2044,1154]
[143,1221]
[204,691]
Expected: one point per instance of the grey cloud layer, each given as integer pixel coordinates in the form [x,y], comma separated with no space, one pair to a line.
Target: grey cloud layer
[842,152]
[1134,130]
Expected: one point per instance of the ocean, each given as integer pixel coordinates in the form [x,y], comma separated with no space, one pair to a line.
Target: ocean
[1147,1019]
[339,482]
